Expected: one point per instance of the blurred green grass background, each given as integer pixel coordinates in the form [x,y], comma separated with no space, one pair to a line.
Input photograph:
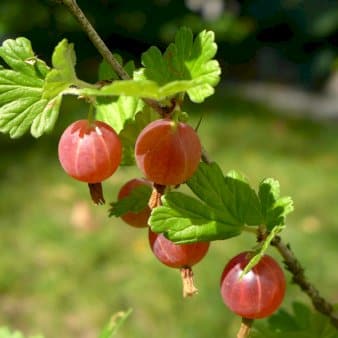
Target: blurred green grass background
[65,267]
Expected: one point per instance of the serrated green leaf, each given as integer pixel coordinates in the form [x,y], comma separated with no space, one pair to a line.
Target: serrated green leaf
[136,201]
[242,199]
[63,75]
[143,89]
[22,105]
[233,194]
[156,67]
[187,60]
[185,219]
[225,205]
[117,112]
[115,323]
[274,208]
[46,119]
[18,55]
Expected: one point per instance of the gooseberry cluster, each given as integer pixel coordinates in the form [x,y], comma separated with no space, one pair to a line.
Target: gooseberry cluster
[168,153]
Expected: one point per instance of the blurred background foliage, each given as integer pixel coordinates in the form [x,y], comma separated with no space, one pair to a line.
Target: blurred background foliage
[65,267]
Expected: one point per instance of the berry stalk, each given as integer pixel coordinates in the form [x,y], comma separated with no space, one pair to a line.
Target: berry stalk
[245,328]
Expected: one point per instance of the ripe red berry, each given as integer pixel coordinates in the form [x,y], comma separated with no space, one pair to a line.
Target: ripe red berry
[259,292]
[168,152]
[89,152]
[176,255]
[182,256]
[136,219]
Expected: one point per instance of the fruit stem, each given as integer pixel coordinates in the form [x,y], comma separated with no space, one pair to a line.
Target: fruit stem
[96,193]
[91,114]
[189,288]
[245,328]
[155,197]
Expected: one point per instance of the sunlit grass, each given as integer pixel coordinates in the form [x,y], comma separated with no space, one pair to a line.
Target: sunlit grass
[65,267]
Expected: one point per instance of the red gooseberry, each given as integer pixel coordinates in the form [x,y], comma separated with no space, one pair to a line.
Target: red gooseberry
[89,152]
[258,293]
[168,152]
[182,256]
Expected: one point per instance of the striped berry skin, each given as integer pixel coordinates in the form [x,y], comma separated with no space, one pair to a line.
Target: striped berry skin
[168,152]
[176,255]
[259,292]
[89,152]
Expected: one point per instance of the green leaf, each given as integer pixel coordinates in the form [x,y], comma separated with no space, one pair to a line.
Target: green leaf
[117,112]
[185,219]
[274,208]
[136,201]
[231,193]
[186,66]
[22,105]
[115,323]
[143,89]
[218,214]
[301,322]
[19,56]
[242,199]
[62,76]
[187,59]
[225,205]
[262,249]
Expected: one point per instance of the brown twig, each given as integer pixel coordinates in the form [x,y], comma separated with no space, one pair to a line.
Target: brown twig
[245,328]
[95,38]
[104,50]
[298,277]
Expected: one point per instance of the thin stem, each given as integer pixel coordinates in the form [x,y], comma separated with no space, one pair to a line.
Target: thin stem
[104,50]
[298,277]
[245,328]
[91,114]
[95,38]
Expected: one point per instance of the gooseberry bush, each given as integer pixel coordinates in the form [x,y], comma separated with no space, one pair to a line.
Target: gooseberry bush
[136,117]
